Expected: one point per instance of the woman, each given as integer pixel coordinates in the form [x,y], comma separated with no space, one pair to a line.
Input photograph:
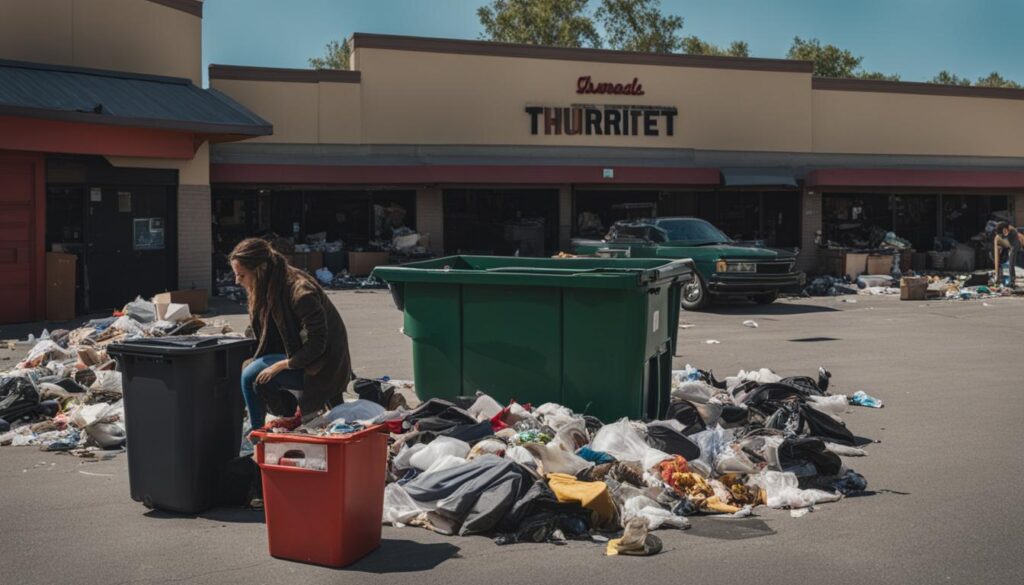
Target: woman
[302,345]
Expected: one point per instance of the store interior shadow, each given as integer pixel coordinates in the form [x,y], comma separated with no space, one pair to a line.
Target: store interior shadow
[232,514]
[742,307]
[404,556]
[220,306]
[729,528]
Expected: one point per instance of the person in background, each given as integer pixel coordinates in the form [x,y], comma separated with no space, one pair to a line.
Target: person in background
[1010,238]
[302,362]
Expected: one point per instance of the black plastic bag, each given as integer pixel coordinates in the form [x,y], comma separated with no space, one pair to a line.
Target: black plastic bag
[18,397]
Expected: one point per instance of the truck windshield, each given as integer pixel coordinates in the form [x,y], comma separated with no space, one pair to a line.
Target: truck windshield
[693,231]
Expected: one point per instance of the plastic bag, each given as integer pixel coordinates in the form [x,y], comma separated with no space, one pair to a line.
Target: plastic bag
[656,516]
[107,430]
[437,449]
[549,409]
[782,491]
[46,351]
[621,441]
[357,410]
[553,459]
[444,462]
[324,276]
[695,391]
[521,456]
[830,405]
[572,435]
[402,460]
[141,310]
[399,507]
[128,325]
[108,381]
[485,407]
[712,443]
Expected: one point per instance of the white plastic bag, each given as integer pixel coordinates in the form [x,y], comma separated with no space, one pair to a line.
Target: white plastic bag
[549,409]
[782,491]
[107,381]
[107,430]
[712,443]
[141,310]
[622,442]
[445,462]
[402,460]
[521,456]
[830,405]
[437,449]
[399,507]
[656,516]
[485,407]
[47,348]
[694,391]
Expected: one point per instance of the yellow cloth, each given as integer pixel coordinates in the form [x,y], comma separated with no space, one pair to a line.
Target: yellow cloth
[592,495]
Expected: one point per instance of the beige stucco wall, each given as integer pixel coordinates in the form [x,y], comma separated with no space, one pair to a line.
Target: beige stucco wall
[123,35]
[302,112]
[894,123]
[442,98]
[190,172]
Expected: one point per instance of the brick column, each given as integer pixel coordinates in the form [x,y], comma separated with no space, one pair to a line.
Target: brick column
[195,237]
[810,223]
[430,217]
[565,219]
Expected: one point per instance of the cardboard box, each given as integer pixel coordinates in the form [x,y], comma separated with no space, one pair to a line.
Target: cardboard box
[363,263]
[196,299]
[60,286]
[914,288]
[315,261]
[881,264]
[856,264]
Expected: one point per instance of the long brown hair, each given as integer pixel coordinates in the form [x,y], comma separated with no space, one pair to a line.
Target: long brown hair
[272,273]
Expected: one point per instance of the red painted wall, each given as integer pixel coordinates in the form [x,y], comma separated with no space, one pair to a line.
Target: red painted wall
[22,237]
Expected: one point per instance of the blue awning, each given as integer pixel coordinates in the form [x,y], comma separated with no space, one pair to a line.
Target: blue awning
[758,177]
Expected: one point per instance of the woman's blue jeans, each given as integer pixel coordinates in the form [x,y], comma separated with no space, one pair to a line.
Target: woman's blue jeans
[283,382]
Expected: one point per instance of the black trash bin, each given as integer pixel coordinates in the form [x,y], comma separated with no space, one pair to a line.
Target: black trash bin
[183,415]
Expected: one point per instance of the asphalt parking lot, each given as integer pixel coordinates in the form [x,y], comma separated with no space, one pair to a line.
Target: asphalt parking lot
[943,471]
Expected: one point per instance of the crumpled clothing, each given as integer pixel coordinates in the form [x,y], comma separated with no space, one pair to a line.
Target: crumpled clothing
[621,471]
[592,495]
[700,491]
[594,456]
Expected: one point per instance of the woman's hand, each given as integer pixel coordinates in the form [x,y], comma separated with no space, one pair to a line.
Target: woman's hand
[268,373]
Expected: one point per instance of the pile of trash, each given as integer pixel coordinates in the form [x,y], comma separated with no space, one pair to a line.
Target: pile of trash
[65,395]
[344,281]
[523,473]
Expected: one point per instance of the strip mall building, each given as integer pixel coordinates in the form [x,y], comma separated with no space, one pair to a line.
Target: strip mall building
[109,148]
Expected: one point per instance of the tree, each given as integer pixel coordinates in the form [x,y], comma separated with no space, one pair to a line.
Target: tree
[946,78]
[829,60]
[877,75]
[639,25]
[693,45]
[337,55]
[555,23]
[996,80]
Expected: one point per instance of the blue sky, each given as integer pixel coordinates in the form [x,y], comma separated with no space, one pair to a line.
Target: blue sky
[914,38]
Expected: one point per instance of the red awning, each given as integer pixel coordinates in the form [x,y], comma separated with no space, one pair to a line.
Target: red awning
[458,174]
[921,178]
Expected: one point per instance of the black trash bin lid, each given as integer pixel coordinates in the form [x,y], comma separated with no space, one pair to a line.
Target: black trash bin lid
[176,345]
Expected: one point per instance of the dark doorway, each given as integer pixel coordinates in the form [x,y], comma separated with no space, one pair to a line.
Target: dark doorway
[501,221]
[121,223]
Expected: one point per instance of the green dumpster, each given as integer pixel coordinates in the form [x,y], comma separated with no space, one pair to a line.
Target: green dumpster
[594,334]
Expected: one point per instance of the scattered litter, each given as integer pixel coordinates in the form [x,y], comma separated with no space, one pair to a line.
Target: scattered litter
[859,398]
[686,325]
[83,472]
[800,513]
[712,342]
[750,323]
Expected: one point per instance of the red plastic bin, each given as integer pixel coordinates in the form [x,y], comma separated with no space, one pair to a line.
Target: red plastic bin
[329,516]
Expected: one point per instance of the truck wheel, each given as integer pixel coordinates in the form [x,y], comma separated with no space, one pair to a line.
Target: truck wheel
[765,299]
[695,294]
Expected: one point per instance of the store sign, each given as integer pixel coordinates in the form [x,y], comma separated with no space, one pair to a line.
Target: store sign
[606,119]
[586,85]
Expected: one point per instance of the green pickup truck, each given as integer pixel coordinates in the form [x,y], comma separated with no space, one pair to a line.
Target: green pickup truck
[724,267]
